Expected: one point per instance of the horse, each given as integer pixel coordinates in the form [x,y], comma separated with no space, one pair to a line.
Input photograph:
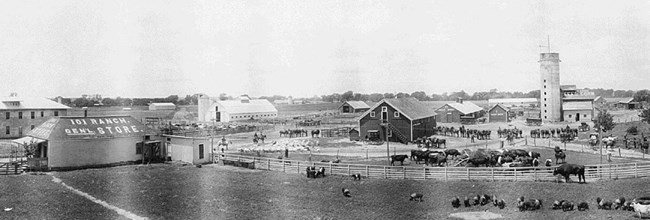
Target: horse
[416,197]
[315,133]
[560,155]
[568,169]
[400,158]
[452,152]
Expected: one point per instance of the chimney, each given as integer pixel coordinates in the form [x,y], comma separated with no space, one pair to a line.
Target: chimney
[59,100]
[459,100]
[85,111]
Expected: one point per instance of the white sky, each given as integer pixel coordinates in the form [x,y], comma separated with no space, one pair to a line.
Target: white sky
[304,48]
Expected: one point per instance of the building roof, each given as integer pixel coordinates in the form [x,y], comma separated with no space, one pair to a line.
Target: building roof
[579,97]
[88,128]
[618,99]
[513,100]
[568,106]
[500,106]
[627,100]
[29,103]
[163,104]
[465,107]
[409,107]
[252,106]
[357,104]
[568,87]
[435,104]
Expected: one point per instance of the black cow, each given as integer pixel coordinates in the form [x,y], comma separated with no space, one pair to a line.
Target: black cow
[604,204]
[582,206]
[560,155]
[534,154]
[400,158]
[320,172]
[519,152]
[357,176]
[452,152]
[567,206]
[455,202]
[568,169]
[416,196]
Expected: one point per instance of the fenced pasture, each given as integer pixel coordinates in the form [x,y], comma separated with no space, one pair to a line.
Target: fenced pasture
[535,174]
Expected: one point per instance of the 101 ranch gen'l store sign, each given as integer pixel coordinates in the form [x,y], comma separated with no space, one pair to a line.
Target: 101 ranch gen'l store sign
[100,126]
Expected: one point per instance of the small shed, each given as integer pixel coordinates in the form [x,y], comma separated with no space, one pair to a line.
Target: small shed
[498,113]
[354,134]
[195,150]
[353,107]
[628,104]
[161,106]
[459,111]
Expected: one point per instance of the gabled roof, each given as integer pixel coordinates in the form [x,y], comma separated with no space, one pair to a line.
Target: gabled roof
[253,106]
[568,106]
[29,103]
[465,107]
[356,104]
[162,104]
[627,100]
[568,87]
[409,107]
[67,128]
[617,99]
[498,105]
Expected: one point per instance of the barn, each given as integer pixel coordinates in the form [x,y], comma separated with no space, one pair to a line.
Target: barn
[401,120]
[195,150]
[353,107]
[82,142]
[577,111]
[244,108]
[161,106]
[628,103]
[459,111]
[498,113]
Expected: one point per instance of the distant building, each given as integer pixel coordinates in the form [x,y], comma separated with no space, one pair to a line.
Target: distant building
[577,104]
[162,106]
[19,115]
[628,103]
[498,113]
[600,101]
[196,150]
[458,111]
[511,102]
[401,120]
[353,107]
[244,108]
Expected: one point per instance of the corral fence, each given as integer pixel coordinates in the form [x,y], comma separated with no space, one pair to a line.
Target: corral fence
[592,172]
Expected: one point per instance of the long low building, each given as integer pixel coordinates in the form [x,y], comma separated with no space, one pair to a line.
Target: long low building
[509,102]
[212,109]
[81,142]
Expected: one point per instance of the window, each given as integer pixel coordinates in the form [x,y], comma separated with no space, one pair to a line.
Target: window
[8,115]
[20,115]
[544,105]
[8,130]
[138,148]
[372,114]
[31,127]
[384,109]
[569,116]
[33,114]
[201,151]
[545,99]
[396,114]
[42,114]
[544,80]
[584,115]
[545,86]
[544,111]
[56,113]
[20,131]
[544,93]
[544,117]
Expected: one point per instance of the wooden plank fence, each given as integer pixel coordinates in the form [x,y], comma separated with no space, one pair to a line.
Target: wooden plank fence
[592,172]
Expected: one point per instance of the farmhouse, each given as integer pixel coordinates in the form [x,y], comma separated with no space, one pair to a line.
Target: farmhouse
[498,113]
[196,150]
[244,108]
[80,142]
[161,106]
[353,107]
[401,120]
[459,111]
[19,115]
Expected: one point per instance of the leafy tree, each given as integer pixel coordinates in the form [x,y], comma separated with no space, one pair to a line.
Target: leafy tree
[645,115]
[642,95]
[605,121]
[389,95]
[633,130]
[109,102]
[347,96]
[172,99]
[375,97]
[436,97]
[420,95]
[402,95]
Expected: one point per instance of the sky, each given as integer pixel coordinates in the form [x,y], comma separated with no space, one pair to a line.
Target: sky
[303,48]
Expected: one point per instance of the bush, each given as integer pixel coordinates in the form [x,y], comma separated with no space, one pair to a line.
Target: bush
[633,130]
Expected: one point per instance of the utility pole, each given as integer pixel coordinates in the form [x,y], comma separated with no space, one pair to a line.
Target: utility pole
[387,145]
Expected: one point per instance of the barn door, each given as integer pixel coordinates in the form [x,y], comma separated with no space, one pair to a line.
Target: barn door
[577,116]
[384,114]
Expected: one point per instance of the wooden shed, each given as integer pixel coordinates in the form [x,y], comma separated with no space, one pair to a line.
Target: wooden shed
[459,111]
[354,134]
[498,113]
[353,107]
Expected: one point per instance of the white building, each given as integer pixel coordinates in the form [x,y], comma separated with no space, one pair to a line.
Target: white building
[211,109]
[162,106]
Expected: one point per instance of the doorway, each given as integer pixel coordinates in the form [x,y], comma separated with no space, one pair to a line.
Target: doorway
[577,116]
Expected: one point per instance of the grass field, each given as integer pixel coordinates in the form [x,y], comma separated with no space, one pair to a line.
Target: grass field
[220,192]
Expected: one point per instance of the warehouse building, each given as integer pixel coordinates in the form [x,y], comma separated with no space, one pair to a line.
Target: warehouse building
[459,111]
[353,107]
[19,115]
[161,106]
[212,109]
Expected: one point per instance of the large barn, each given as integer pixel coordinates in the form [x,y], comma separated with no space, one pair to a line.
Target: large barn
[214,110]
[19,115]
[459,111]
[498,113]
[80,142]
[353,107]
[402,120]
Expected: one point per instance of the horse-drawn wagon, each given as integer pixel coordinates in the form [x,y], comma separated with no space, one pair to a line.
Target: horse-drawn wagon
[533,121]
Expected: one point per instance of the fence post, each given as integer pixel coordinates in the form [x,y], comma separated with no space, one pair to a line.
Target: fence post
[268,165]
[298,167]
[616,170]
[404,172]
[330,168]
[385,175]
[610,171]
[492,174]
[468,178]
[636,175]
[515,174]
[445,173]
[424,171]
[367,171]
[348,169]
[284,169]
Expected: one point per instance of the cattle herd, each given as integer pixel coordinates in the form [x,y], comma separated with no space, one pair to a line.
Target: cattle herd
[463,132]
[487,158]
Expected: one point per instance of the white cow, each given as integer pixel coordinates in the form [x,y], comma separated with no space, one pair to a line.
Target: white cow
[641,209]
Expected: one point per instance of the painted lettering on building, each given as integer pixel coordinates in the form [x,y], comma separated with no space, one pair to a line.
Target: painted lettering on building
[101,126]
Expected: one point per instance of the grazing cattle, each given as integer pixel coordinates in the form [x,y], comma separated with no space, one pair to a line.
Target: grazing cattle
[416,196]
[568,169]
[346,192]
[475,200]
[356,177]
[548,162]
[320,172]
[501,204]
[455,202]
[519,152]
[582,206]
[452,152]
[477,161]
[315,133]
[558,204]
[618,203]
[437,158]
[485,199]
[311,172]
[567,206]
[535,162]
[560,155]
[466,202]
[400,158]
[640,208]
[537,203]
[534,154]
[627,206]
[604,204]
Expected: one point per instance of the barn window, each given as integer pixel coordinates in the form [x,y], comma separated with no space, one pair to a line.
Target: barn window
[372,114]
[545,86]
[32,127]
[569,116]
[138,148]
[33,114]
[8,130]
[544,93]
[201,151]
[544,117]
[545,99]
[544,80]
[7,115]
[20,115]
[384,109]
[584,115]
[544,105]
[42,114]
[396,114]
[56,113]
[544,111]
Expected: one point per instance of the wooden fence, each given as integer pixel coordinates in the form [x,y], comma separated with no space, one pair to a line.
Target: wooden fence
[592,172]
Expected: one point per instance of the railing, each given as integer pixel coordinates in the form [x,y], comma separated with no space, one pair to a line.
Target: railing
[592,172]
